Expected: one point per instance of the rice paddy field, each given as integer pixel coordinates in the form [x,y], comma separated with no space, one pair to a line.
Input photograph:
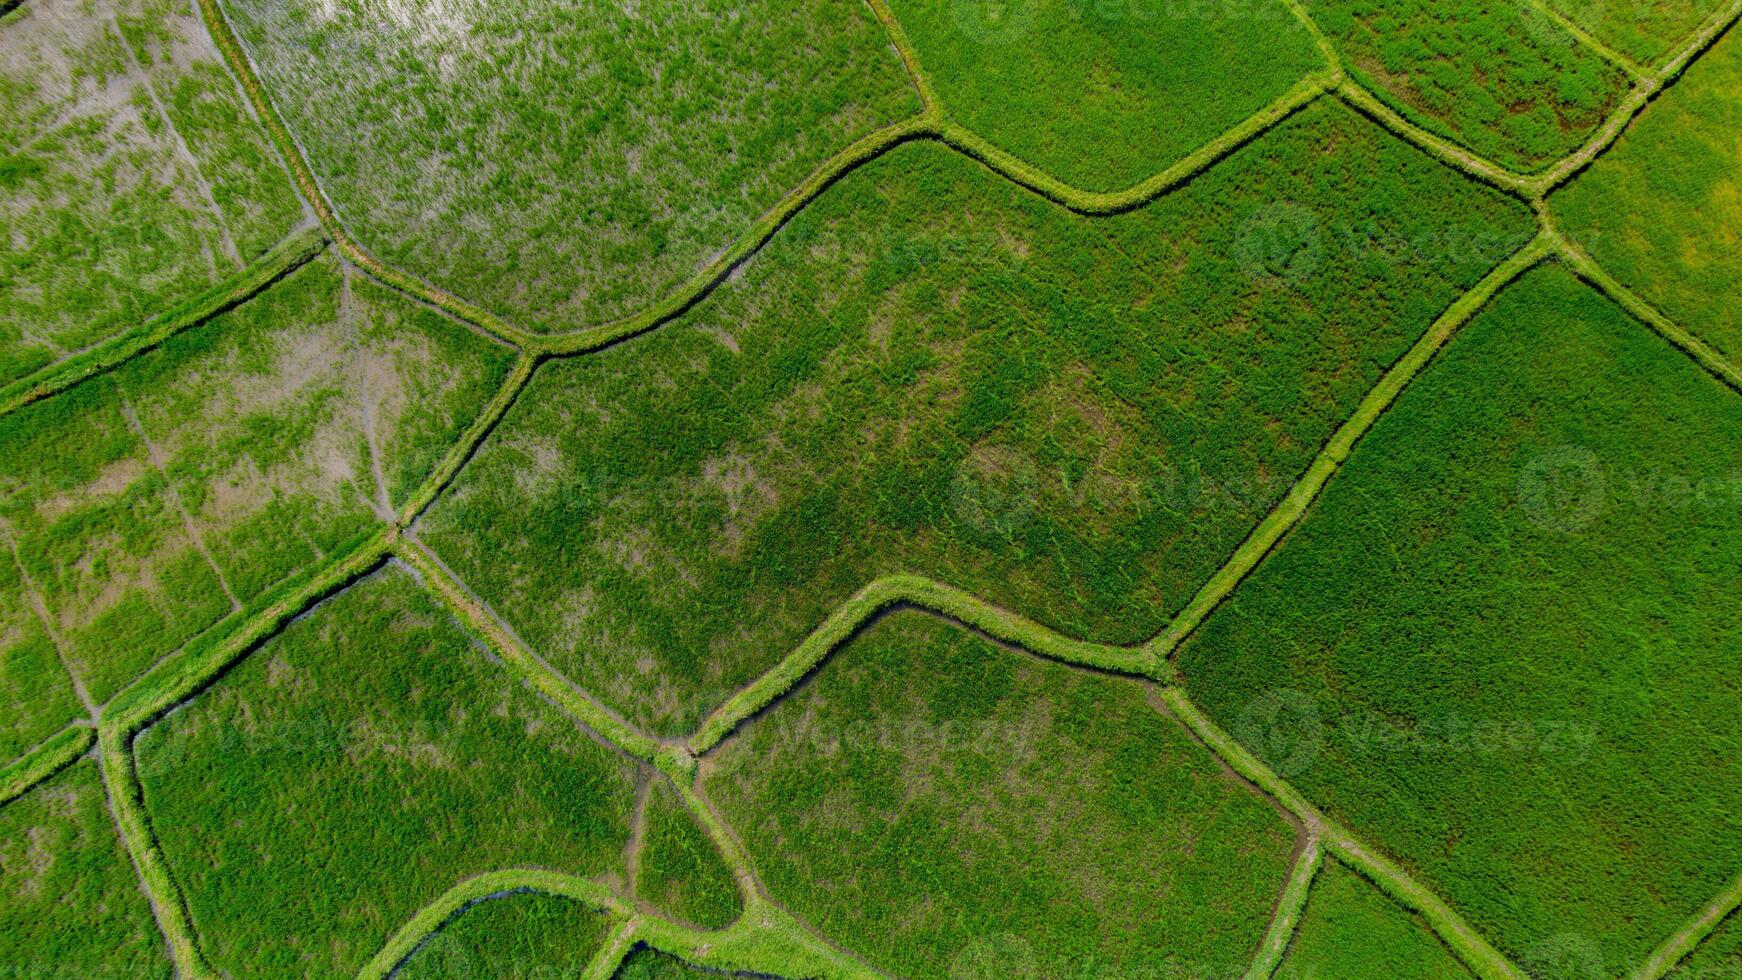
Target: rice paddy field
[960,489]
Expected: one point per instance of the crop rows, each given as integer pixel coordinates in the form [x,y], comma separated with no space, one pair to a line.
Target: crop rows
[765,937]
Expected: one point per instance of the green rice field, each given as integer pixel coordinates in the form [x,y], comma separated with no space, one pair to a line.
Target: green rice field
[845,489]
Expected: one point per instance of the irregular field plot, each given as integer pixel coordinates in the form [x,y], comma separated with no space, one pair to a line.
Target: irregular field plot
[681,873]
[1662,210]
[1644,30]
[353,769]
[1351,929]
[1103,94]
[147,503]
[1501,78]
[939,804]
[36,694]
[931,370]
[131,173]
[517,936]
[1502,646]
[568,162]
[70,904]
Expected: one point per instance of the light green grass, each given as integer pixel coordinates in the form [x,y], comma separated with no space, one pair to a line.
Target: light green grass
[131,174]
[1351,929]
[1103,94]
[1662,210]
[515,936]
[938,804]
[70,904]
[567,163]
[1645,30]
[1501,78]
[680,872]
[1496,647]
[355,767]
[229,458]
[930,370]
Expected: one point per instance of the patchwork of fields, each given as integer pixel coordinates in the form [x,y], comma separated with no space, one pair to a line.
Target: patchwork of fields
[846,488]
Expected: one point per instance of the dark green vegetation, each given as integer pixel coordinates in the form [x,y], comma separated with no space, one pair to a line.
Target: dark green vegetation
[1501,78]
[353,769]
[517,936]
[939,804]
[651,964]
[70,904]
[1103,93]
[680,872]
[1644,30]
[1351,929]
[931,370]
[566,163]
[1500,646]
[36,695]
[1718,958]
[148,503]
[1662,211]
[131,173]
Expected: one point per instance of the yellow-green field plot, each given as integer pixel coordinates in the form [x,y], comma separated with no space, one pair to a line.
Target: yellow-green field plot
[70,903]
[938,804]
[566,163]
[1103,94]
[132,174]
[150,502]
[1351,929]
[357,766]
[1500,645]
[1662,211]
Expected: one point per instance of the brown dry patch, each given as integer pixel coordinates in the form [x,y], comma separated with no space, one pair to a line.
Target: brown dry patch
[368,739]
[38,862]
[109,484]
[636,687]
[82,596]
[545,463]
[721,336]
[748,495]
